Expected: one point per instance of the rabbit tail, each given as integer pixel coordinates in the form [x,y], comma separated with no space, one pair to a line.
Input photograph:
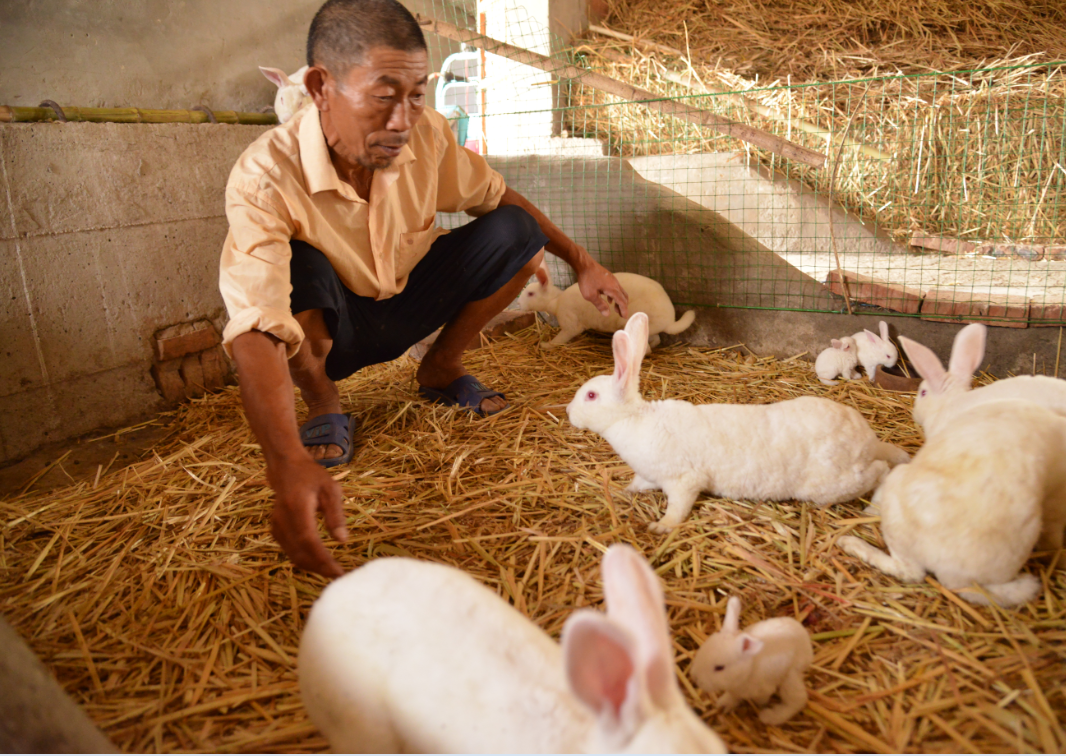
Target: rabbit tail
[681,323]
[1021,590]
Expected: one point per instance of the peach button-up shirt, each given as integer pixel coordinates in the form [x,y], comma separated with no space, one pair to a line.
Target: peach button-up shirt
[285,187]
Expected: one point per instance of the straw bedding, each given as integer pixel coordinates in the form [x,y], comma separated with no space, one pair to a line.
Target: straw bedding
[158,598]
[965,155]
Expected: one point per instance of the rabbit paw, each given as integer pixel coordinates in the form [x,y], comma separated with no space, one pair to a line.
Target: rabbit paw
[662,527]
[727,702]
[640,484]
[547,345]
[775,715]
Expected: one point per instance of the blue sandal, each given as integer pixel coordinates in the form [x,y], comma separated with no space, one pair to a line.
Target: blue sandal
[332,428]
[465,392]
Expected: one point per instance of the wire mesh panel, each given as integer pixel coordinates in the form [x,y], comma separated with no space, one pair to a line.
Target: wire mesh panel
[940,196]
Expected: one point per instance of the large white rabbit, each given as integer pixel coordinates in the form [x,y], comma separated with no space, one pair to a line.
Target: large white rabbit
[576,314]
[945,393]
[810,448]
[875,350]
[409,656]
[292,94]
[969,506]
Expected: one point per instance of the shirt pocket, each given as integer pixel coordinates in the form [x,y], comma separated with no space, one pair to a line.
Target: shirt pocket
[413,246]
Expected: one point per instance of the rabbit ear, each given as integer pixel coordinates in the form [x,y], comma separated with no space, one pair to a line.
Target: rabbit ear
[600,662]
[276,76]
[621,346]
[870,335]
[837,344]
[731,623]
[925,362]
[542,273]
[883,326]
[749,644]
[635,601]
[637,328]
[967,351]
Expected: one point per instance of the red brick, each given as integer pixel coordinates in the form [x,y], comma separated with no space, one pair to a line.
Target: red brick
[214,368]
[186,338]
[193,375]
[947,246]
[1047,314]
[951,306]
[875,291]
[1055,253]
[168,380]
[1027,252]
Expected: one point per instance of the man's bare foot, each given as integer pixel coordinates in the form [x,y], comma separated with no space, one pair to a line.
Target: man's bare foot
[435,373]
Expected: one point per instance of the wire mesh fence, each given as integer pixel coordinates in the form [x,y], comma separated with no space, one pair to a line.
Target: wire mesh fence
[939,195]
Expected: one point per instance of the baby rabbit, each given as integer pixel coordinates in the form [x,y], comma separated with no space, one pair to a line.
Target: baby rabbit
[839,359]
[768,657]
[409,656]
[943,394]
[808,448]
[874,350]
[292,94]
[576,314]
[968,508]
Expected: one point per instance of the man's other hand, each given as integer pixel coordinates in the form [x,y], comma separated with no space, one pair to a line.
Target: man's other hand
[302,489]
[596,282]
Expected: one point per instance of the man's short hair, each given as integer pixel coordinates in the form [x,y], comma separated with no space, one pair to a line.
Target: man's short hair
[344,30]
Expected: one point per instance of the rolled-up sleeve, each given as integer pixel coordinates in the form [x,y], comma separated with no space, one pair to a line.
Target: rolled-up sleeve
[465,181]
[254,270]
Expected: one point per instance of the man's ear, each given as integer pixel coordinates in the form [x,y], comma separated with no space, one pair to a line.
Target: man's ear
[316,79]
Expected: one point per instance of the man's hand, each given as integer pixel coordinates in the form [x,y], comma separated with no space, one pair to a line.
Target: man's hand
[302,489]
[596,282]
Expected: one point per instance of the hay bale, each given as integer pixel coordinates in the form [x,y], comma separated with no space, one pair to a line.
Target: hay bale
[158,598]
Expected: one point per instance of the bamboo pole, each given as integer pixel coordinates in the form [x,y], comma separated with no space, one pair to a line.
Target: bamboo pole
[685,80]
[628,92]
[16,114]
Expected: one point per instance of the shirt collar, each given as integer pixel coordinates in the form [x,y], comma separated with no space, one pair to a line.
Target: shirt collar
[314,153]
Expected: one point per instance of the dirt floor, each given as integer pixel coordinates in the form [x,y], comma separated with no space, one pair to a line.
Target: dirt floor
[162,604]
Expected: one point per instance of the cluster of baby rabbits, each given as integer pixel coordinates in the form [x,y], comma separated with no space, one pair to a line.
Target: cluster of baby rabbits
[865,348]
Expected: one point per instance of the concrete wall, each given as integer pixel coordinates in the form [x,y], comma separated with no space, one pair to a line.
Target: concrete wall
[161,53]
[110,232]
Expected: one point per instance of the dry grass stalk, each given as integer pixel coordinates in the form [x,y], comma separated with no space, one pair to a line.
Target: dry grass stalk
[160,601]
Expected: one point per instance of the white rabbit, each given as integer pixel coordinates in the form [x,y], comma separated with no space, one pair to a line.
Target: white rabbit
[404,655]
[809,448]
[943,394]
[292,94]
[968,508]
[576,314]
[876,350]
[766,658]
[839,359]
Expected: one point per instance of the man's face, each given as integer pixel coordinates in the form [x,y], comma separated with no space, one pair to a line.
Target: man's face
[370,111]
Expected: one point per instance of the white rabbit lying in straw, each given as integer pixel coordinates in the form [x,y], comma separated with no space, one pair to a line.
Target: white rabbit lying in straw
[292,94]
[576,314]
[839,359]
[944,396]
[766,658]
[968,508]
[809,448]
[875,350]
[403,655]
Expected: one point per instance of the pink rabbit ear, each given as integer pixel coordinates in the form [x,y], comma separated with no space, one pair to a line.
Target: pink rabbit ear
[542,273]
[838,344]
[731,623]
[925,362]
[870,335]
[621,346]
[276,76]
[967,351]
[635,601]
[883,326]
[600,661]
[749,644]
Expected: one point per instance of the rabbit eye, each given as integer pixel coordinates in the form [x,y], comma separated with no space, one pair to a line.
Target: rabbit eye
[719,667]
[590,396]
[923,392]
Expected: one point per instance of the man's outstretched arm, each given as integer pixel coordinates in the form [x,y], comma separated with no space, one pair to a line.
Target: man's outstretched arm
[594,280]
[302,488]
